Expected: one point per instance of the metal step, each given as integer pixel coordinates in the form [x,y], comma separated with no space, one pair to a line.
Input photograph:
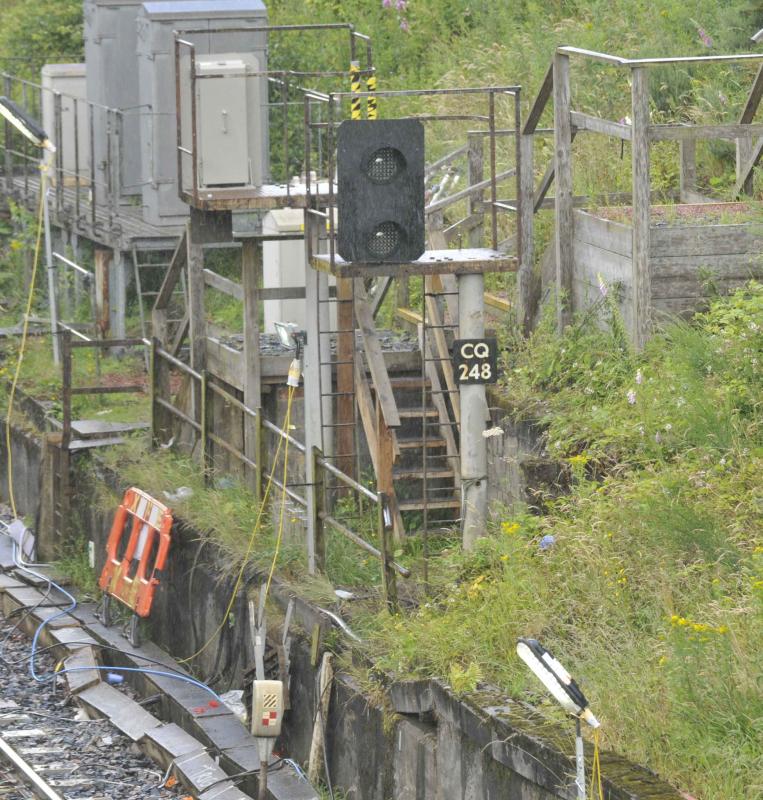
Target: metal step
[401,473]
[418,442]
[409,382]
[415,413]
[419,504]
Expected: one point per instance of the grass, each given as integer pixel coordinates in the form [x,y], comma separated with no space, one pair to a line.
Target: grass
[652,593]
[42,379]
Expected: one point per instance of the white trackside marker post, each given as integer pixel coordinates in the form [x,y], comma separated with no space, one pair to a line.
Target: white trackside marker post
[566,692]
[267,717]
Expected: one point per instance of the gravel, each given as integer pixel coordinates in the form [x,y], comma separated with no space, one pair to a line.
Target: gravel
[81,759]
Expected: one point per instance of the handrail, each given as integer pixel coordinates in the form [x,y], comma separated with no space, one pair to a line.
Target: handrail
[619,61]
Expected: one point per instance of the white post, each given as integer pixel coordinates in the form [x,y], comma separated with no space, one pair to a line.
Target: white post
[52,283]
[579,761]
[471,325]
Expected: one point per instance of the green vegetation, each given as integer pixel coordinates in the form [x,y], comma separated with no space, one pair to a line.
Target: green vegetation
[652,592]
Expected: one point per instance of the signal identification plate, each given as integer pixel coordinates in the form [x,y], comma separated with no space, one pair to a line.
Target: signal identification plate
[475,360]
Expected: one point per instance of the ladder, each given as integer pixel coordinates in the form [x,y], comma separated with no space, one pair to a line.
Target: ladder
[149,269]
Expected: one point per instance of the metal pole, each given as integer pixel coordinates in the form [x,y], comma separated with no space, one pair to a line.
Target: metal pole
[471,325]
[52,299]
[579,760]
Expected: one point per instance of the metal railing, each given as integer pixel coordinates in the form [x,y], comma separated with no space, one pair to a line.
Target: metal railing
[323,512]
[86,169]
[289,95]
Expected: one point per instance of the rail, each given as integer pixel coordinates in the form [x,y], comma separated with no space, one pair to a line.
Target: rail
[323,512]
[284,81]
[86,168]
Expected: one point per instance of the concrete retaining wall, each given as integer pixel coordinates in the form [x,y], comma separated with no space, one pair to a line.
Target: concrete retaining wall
[411,741]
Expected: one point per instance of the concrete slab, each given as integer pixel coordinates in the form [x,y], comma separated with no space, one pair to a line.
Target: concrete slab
[224,792]
[72,639]
[125,714]
[81,678]
[199,772]
[26,597]
[87,428]
[221,732]
[285,784]
[167,743]
[9,582]
[6,554]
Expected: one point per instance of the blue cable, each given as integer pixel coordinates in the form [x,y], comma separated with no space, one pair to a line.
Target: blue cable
[64,612]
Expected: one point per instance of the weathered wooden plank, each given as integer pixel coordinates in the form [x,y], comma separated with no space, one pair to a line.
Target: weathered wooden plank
[433,262]
[732,130]
[223,284]
[345,403]
[197,327]
[706,240]
[688,168]
[665,288]
[735,265]
[753,98]
[641,205]
[744,177]
[592,261]
[587,122]
[563,175]
[525,306]
[541,100]
[251,273]
[375,358]
[604,233]
[176,267]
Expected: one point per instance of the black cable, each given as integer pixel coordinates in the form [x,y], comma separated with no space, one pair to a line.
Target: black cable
[100,646]
[30,610]
[278,764]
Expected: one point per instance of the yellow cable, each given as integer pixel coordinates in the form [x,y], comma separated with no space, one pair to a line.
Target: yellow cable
[279,537]
[255,530]
[596,784]
[24,331]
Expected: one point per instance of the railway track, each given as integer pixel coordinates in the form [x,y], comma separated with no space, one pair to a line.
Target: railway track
[19,780]
[67,755]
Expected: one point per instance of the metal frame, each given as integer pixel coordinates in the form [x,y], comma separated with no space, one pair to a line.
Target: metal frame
[267,196]
[433,261]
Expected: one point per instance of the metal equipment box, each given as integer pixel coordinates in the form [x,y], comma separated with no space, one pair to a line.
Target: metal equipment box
[112,80]
[157,24]
[228,122]
[69,81]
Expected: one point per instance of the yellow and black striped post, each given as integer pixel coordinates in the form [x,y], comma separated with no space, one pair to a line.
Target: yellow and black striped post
[371,87]
[355,89]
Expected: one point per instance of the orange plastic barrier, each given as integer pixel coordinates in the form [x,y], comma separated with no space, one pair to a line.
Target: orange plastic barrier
[130,578]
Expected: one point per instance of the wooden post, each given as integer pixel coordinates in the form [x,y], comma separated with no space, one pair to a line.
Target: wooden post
[206,461]
[62,507]
[687,149]
[744,147]
[389,576]
[197,322]
[251,271]
[385,459]
[102,264]
[319,508]
[475,174]
[641,288]
[563,199]
[525,246]
[345,384]
[259,454]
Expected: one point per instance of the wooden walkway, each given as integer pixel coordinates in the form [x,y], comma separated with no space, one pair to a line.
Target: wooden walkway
[70,208]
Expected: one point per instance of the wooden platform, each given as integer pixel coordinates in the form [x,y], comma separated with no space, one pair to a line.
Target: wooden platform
[120,231]
[265,197]
[433,262]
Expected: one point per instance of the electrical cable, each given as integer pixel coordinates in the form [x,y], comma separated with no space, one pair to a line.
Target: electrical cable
[250,545]
[24,334]
[596,783]
[282,509]
[278,764]
[72,605]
